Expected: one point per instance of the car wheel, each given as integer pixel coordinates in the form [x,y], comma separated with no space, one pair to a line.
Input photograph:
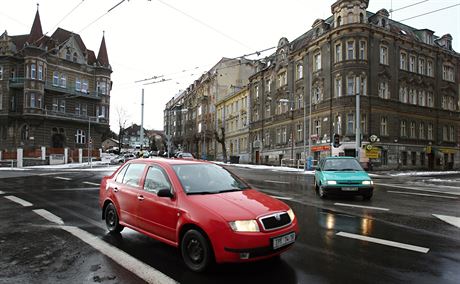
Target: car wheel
[321,192]
[367,196]
[196,251]
[111,220]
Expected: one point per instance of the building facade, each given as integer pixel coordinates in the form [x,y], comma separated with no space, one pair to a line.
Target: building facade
[54,92]
[406,81]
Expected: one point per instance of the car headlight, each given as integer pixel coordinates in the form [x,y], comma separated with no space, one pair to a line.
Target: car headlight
[368,182]
[331,182]
[244,226]
[291,214]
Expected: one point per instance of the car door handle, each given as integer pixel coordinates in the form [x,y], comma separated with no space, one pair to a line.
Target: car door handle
[140,197]
[115,189]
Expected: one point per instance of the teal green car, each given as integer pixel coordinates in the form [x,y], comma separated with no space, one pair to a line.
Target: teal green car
[342,176]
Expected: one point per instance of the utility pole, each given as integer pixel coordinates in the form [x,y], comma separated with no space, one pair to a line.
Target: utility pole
[358,120]
[142,120]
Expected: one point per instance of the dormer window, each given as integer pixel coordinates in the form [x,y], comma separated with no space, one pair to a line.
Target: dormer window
[384,23]
[361,18]
[339,21]
[75,57]
[67,55]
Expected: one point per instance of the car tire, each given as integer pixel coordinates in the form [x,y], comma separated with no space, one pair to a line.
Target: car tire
[111,219]
[196,251]
[367,196]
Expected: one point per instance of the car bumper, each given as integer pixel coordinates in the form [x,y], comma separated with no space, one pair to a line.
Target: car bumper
[348,190]
[246,247]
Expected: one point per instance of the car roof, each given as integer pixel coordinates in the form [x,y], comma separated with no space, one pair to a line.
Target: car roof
[171,162]
[339,157]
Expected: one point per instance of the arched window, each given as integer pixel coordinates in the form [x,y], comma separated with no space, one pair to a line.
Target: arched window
[361,18]
[75,57]
[339,21]
[25,132]
[384,23]
[67,55]
[350,18]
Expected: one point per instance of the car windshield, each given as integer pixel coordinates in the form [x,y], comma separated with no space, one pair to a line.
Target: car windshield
[207,179]
[188,155]
[342,165]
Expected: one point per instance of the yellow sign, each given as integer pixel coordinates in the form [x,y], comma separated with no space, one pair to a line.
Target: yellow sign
[374,153]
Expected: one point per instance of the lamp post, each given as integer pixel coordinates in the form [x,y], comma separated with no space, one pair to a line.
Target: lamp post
[397,153]
[90,141]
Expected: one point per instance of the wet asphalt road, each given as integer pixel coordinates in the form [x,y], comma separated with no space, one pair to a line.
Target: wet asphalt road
[34,250]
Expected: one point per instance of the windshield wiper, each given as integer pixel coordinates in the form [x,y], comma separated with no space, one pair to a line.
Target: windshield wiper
[230,190]
[202,192]
[348,169]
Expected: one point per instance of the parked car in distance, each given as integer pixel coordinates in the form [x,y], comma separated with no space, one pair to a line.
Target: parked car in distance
[201,208]
[120,159]
[342,176]
[184,155]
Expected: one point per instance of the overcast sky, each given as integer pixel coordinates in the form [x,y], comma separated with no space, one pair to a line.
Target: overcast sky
[181,39]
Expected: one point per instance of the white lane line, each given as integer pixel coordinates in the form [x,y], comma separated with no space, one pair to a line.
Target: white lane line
[19,200]
[49,216]
[422,194]
[48,174]
[383,242]
[275,181]
[2,192]
[281,197]
[142,270]
[63,178]
[360,206]
[91,183]
[419,189]
[449,219]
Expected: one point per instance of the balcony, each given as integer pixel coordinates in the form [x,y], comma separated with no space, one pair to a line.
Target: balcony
[16,83]
[71,91]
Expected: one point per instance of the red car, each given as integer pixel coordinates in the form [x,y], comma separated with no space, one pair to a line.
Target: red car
[206,211]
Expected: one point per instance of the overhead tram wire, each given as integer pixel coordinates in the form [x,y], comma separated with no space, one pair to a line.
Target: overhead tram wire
[204,24]
[408,6]
[108,11]
[431,12]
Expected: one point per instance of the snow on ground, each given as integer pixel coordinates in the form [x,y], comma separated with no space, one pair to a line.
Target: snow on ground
[271,168]
[423,173]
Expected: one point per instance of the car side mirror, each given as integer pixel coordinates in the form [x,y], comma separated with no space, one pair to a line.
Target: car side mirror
[317,168]
[165,192]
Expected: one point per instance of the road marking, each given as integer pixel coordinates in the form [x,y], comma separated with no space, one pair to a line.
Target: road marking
[19,200]
[91,183]
[422,194]
[360,206]
[419,189]
[2,192]
[281,197]
[275,181]
[384,242]
[142,270]
[48,174]
[49,216]
[63,178]
[449,219]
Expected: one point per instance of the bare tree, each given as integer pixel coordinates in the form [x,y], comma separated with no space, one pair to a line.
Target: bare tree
[123,118]
[221,140]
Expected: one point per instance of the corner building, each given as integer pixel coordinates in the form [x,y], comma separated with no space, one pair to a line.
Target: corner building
[407,80]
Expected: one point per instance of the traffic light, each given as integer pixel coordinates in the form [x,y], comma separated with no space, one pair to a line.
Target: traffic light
[336,143]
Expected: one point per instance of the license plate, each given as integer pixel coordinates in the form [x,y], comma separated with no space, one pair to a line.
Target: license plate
[349,189]
[283,240]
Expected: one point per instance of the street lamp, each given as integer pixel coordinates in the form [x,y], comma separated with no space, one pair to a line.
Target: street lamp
[397,152]
[90,141]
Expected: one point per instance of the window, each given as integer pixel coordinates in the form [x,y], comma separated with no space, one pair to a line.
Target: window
[450,103]
[55,78]
[63,81]
[77,84]
[421,66]
[84,111]
[403,129]
[403,96]
[299,132]
[282,79]
[101,87]
[451,134]
[384,126]
[429,68]
[299,71]
[317,96]
[1,72]
[350,50]
[350,85]
[422,98]
[384,92]
[77,109]
[412,130]
[317,62]
[430,131]
[25,132]
[421,131]
[256,92]
[80,137]
[403,61]
[40,72]
[361,18]
[429,99]
[384,55]
[444,133]
[267,110]
[1,101]
[75,57]
[133,174]
[338,87]
[412,96]
[448,73]
[268,84]
[33,100]
[278,136]
[362,50]
[62,106]
[350,18]
[444,102]
[338,122]
[318,127]
[67,55]
[339,21]
[33,71]
[338,52]
[284,133]
[84,86]
[412,63]
[363,123]
[350,123]
[156,180]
